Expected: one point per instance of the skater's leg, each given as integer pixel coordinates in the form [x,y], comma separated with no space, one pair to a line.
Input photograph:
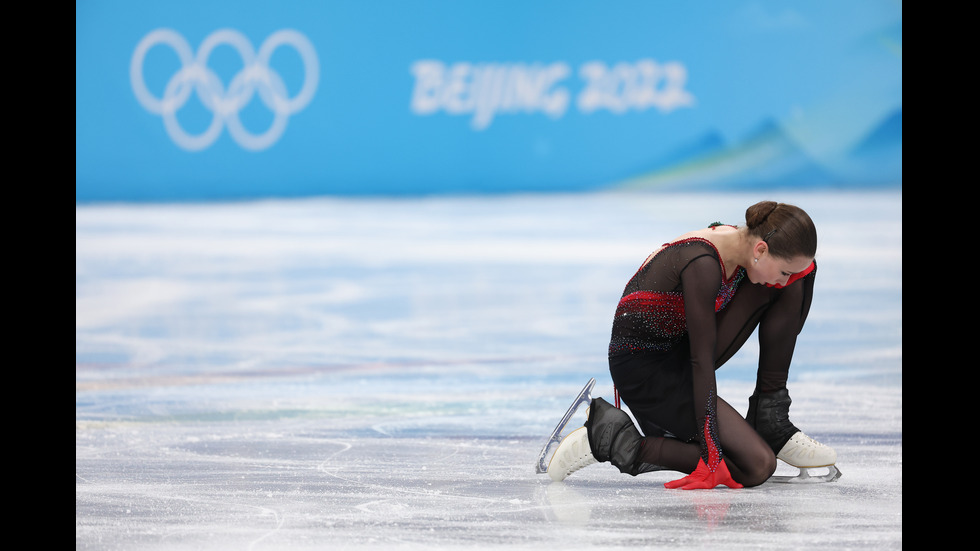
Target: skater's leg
[779,313]
[769,415]
[779,327]
[608,435]
[671,453]
[749,459]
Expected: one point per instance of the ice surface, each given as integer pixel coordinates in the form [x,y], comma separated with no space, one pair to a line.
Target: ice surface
[380,374]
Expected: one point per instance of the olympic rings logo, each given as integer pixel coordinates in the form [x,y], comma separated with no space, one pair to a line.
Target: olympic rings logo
[225,104]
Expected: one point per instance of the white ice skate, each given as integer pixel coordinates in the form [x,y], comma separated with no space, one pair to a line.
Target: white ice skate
[584,397]
[805,453]
[769,416]
[572,454]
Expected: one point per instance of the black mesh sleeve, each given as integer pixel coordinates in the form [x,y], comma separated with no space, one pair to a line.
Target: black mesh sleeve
[701,280]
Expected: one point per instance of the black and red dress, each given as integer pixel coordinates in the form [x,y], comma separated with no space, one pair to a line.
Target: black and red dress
[679,319]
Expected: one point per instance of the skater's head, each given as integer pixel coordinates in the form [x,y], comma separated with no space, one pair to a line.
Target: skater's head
[785,231]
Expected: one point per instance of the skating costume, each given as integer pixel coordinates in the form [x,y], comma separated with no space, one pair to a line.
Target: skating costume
[678,320]
[666,320]
[651,315]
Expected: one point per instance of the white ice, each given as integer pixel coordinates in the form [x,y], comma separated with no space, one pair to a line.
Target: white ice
[381,373]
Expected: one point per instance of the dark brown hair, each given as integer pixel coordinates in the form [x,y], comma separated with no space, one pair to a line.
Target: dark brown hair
[787,229]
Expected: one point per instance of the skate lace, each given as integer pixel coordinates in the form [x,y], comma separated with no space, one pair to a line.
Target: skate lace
[583,458]
[580,462]
[805,441]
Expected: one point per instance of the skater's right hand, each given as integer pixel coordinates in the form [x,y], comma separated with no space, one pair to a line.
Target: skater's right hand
[704,479]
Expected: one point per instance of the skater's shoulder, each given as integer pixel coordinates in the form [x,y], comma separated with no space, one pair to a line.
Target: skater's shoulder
[697,240]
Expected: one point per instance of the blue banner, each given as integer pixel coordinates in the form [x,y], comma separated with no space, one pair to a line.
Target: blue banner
[223,100]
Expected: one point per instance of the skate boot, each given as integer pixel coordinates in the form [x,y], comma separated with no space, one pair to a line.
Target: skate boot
[769,415]
[572,454]
[608,435]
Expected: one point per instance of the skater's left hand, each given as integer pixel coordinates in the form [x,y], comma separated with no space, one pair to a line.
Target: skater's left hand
[703,479]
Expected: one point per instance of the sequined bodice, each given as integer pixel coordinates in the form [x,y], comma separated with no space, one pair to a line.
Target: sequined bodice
[650,315]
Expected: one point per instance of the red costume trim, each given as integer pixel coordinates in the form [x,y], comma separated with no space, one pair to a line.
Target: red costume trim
[795,277]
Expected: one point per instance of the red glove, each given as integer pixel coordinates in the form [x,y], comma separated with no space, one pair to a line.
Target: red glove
[703,479]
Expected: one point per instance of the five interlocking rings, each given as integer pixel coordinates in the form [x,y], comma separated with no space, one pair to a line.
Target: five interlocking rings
[225,104]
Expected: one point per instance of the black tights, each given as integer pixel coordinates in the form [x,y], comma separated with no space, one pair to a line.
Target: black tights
[779,315]
[749,458]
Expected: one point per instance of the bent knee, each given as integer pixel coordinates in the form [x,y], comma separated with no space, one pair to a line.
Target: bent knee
[759,470]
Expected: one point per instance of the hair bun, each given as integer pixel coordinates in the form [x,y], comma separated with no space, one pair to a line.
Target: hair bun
[758,213]
[787,229]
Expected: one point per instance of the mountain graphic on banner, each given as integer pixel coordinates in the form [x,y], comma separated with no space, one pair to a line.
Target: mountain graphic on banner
[769,157]
[877,158]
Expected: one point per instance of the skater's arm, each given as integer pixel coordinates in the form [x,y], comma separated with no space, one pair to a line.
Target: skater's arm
[701,281]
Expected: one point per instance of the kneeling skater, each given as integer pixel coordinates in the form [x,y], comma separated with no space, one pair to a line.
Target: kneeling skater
[689,308]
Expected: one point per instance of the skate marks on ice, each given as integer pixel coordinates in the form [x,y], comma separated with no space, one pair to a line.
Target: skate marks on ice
[365,493]
[292,481]
[860,511]
[233,288]
[381,375]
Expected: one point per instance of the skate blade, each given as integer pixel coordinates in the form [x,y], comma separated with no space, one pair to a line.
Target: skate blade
[584,397]
[805,477]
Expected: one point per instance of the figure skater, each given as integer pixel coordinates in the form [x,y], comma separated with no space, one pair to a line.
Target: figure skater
[689,308]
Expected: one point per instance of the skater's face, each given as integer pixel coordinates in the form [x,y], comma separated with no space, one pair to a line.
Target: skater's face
[772,270]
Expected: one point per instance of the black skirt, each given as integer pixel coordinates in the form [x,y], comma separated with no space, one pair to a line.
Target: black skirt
[658,389]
